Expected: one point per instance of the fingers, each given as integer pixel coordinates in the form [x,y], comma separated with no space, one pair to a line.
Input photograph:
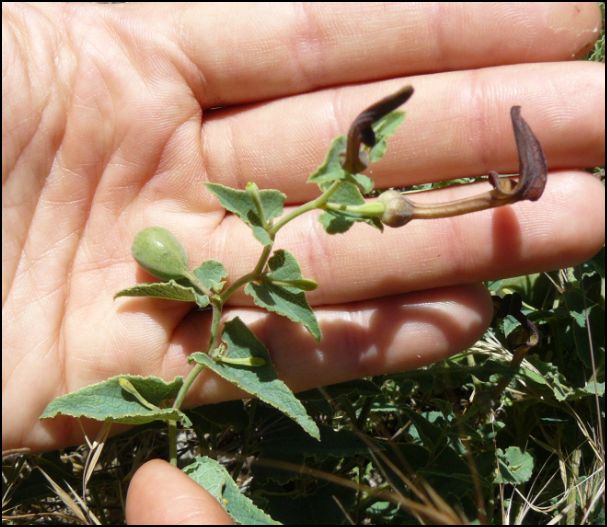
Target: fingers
[367,338]
[457,125]
[160,494]
[386,335]
[263,51]
[565,226]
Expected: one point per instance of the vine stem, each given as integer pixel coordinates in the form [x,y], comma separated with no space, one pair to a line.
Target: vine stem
[318,203]
[372,209]
[173,442]
[249,277]
[197,369]
[218,301]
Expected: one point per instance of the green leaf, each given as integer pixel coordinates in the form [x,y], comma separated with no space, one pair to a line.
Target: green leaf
[108,400]
[285,269]
[212,274]
[337,222]
[209,474]
[429,427]
[241,203]
[170,290]
[551,377]
[283,301]
[364,183]
[260,381]
[347,194]
[384,128]
[514,466]
[286,300]
[594,388]
[331,169]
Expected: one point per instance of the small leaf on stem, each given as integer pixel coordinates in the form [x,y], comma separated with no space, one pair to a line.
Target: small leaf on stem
[212,275]
[261,380]
[246,206]
[114,400]
[170,290]
[286,300]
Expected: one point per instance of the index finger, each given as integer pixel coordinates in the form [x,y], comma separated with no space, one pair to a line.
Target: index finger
[259,51]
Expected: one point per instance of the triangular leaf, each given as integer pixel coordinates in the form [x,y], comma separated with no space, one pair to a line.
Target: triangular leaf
[331,169]
[283,301]
[170,290]
[284,266]
[347,194]
[364,183]
[260,381]
[212,274]
[212,476]
[384,128]
[242,204]
[286,300]
[107,400]
[285,271]
[336,222]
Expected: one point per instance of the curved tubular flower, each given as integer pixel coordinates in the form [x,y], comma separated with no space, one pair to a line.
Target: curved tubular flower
[361,130]
[532,178]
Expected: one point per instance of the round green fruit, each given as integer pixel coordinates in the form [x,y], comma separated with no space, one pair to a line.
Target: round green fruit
[160,254]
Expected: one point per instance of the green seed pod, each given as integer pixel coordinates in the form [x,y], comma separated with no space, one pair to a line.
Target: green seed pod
[398,209]
[160,254]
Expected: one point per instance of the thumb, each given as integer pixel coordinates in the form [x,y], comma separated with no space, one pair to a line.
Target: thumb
[162,494]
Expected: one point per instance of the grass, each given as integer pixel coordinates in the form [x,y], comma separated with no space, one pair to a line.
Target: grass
[501,433]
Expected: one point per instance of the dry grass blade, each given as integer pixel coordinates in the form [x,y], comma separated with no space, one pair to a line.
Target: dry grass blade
[66,498]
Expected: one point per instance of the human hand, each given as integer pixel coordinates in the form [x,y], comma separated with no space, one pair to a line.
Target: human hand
[104,135]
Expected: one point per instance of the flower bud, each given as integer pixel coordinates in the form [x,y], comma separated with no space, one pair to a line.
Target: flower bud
[398,209]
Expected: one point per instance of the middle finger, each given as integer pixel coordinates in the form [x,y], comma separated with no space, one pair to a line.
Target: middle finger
[457,125]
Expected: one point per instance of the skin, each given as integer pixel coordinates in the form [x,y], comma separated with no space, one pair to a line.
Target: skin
[109,127]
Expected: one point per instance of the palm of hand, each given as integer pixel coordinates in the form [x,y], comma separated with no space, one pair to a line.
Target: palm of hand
[120,143]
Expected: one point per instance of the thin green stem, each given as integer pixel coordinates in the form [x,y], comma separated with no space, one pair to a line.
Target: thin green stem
[317,203]
[253,191]
[267,250]
[249,277]
[187,382]
[173,442]
[236,285]
[372,209]
[197,369]
[215,333]
[191,377]
[218,301]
